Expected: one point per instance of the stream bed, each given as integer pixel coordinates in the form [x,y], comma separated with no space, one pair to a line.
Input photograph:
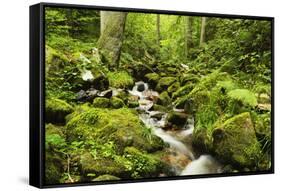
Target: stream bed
[181,153]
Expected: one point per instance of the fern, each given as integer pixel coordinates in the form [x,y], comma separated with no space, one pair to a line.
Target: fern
[245,96]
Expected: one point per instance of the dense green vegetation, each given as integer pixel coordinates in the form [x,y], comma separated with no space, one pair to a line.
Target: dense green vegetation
[216,70]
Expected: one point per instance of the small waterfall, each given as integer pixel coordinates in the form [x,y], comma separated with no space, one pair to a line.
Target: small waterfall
[166,137]
[205,164]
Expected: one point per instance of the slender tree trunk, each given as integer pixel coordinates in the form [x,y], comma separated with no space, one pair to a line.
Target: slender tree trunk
[202,33]
[111,38]
[158,30]
[104,15]
[188,35]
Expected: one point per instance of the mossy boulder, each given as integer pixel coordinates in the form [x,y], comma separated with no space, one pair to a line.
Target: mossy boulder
[121,126]
[100,166]
[101,102]
[100,82]
[202,140]
[55,61]
[152,79]
[189,79]
[106,177]
[116,102]
[55,160]
[54,168]
[173,88]
[120,79]
[164,99]
[56,110]
[235,141]
[143,164]
[133,104]
[164,83]
[177,119]
[182,91]
[53,129]
[157,107]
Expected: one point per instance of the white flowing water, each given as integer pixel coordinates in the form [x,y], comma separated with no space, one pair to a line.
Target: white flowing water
[205,164]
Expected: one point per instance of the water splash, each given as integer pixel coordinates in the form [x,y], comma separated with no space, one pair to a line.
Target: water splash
[205,164]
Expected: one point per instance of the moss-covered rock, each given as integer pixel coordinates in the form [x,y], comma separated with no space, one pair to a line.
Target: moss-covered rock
[202,140]
[122,126]
[54,168]
[152,79]
[164,83]
[106,177]
[120,79]
[101,102]
[173,88]
[133,104]
[164,99]
[235,141]
[100,166]
[189,79]
[116,102]
[100,82]
[55,60]
[182,91]
[143,164]
[177,119]
[56,110]
[55,159]
[157,107]
[53,129]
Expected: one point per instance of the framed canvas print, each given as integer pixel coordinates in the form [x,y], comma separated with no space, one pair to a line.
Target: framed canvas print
[127,95]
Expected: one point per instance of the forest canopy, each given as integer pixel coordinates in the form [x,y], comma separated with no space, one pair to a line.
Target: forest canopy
[142,95]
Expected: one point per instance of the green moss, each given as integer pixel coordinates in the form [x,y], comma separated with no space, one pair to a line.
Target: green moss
[133,104]
[189,79]
[120,79]
[235,141]
[164,83]
[157,107]
[176,118]
[152,79]
[116,102]
[100,166]
[56,110]
[55,60]
[122,126]
[202,140]
[101,102]
[143,164]
[173,88]
[54,168]
[164,99]
[106,177]
[53,129]
[182,91]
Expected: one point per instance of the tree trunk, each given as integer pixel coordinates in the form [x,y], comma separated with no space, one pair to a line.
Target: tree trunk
[110,41]
[158,30]
[203,28]
[188,35]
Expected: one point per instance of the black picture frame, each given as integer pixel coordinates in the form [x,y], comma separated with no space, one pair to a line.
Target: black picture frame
[37,93]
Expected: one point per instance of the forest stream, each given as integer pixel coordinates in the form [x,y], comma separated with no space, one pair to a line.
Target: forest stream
[203,164]
[133,96]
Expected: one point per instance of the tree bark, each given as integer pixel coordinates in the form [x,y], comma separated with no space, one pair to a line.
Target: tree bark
[188,35]
[111,38]
[203,28]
